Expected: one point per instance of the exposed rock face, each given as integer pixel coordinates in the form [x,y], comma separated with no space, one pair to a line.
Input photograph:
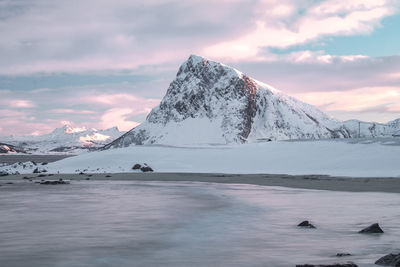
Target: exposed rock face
[372,229]
[209,102]
[389,260]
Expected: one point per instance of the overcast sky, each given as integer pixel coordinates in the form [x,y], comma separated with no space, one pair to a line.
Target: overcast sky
[101,63]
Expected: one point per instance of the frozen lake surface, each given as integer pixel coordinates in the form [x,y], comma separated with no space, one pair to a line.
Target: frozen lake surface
[133,223]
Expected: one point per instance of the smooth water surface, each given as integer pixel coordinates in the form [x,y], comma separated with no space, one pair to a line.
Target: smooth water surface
[129,223]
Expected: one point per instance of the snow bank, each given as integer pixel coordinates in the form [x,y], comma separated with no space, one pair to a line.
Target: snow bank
[301,157]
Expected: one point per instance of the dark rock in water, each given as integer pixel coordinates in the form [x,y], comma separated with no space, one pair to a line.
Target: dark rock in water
[81,173]
[60,181]
[136,166]
[36,170]
[343,254]
[3,173]
[26,178]
[42,175]
[306,224]
[9,183]
[87,178]
[108,175]
[389,260]
[146,169]
[347,264]
[372,229]
[50,174]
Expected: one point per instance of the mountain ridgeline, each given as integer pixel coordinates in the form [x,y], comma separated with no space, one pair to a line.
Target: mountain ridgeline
[211,103]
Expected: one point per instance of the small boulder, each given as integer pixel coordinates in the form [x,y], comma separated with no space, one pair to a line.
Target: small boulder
[372,229]
[108,176]
[36,170]
[306,224]
[389,260]
[136,166]
[3,173]
[146,169]
[44,163]
[343,254]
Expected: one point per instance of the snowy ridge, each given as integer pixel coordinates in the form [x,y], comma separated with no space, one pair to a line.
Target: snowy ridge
[65,139]
[211,103]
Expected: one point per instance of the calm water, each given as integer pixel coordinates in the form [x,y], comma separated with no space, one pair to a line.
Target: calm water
[104,223]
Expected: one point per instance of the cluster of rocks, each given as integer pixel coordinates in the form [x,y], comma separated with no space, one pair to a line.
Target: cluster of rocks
[23,167]
[54,182]
[372,229]
[143,168]
[388,260]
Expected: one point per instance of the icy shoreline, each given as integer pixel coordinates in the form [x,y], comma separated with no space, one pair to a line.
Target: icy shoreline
[313,182]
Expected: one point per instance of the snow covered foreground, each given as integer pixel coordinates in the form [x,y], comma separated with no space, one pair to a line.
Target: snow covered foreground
[298,157]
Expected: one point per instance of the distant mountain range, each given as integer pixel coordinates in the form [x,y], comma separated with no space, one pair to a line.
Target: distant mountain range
[211,103]
[62,140]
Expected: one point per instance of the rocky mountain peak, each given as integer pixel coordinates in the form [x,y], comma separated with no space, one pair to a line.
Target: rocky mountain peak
[209,102]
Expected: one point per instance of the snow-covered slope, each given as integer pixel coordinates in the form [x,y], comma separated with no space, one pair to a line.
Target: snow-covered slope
[295,157]
[209,102]
[369,157]
[65,140]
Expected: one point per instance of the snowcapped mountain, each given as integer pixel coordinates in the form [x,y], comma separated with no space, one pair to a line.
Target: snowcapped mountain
[211,103]
[65,139]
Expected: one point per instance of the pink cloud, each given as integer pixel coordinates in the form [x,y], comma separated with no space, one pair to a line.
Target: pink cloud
[137,105]
[118,116]
[71,111]
[365,99]
[329,18]
[19,103]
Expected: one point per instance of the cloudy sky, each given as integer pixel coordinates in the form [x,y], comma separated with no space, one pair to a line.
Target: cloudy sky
[100,63]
